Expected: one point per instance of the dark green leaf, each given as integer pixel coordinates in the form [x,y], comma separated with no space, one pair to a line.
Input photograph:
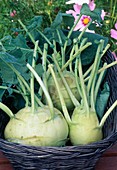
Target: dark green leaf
[35,23]
[57,22]
[102,100]
[88,54]
[7,74]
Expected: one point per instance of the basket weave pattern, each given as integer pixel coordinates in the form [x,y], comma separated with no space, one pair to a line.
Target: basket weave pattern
[69,157]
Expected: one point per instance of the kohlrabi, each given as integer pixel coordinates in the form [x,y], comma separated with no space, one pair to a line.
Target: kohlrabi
[67,72]
[35,125]
[84,125]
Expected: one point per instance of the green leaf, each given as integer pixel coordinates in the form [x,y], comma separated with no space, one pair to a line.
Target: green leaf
[1,94]
[35,23]
[57,22]
[102,100]
[39,69]
[68,20]
[7,74]
[88,54]
[8,58]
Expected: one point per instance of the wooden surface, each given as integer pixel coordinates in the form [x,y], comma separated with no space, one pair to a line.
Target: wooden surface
[108,161]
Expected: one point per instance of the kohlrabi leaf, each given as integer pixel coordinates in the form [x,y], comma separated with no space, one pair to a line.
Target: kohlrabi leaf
[6,57]
[35,23]
[88,54]
[57,22]
[2,91]
[102,100]
[7,75]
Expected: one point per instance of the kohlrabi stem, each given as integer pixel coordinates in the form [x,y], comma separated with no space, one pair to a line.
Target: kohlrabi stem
[24,82]
[107,114]
[83,88]
[14,90]
[31,37]
[75,55]
[107,66]
[32,78]
[40,92]
[77,63]
[44,64]
[95,67]
[49,100]
[90,68]
[83,31]
[92,95]
[98,83]
[70,32]
[22,87]
[47,40]
[71,54]
[55,48]
[6,110]
[102,69]
[62,49]
[74,100]
[92,83]
[64,108]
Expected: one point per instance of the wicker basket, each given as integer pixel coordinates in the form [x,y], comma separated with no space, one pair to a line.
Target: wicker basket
[68,157]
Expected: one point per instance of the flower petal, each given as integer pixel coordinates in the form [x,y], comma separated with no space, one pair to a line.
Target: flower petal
[113,34]
[116,25]
[92,5]
[77,2]
[77,8]
[103,14]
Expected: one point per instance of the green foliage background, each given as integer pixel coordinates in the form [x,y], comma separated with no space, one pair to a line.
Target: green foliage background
[27,9]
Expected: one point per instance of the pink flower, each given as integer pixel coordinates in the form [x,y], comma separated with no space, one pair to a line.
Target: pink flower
[12,14]
[77,7]
[113,32]
[82,23]
[103,14]
[80,2]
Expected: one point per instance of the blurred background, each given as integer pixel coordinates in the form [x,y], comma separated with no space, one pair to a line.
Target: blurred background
[11,10]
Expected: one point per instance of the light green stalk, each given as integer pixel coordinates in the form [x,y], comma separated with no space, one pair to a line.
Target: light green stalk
[71,54]
[6,110]
[95,67]
[44,64]
[22,87]
[24,82]
[49,100]
[74,100]
[70,32]
[107,114]
[32,78]
[102,69]
[14,90]
[92,80]
[98,83]
[62,49]
[90,68]
[64,108]
[77,63]
[31,37]
[75,55]
[84,95]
